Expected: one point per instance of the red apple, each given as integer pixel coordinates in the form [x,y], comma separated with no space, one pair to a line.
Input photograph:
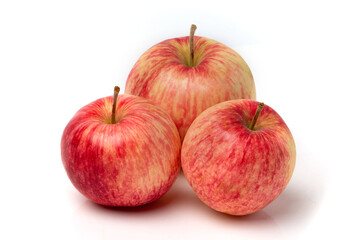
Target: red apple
[187,75]
[128,158]
[238,161]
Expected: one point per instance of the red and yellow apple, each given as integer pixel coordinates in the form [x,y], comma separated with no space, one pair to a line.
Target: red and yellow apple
[187,75]
[128,158]
[237,157]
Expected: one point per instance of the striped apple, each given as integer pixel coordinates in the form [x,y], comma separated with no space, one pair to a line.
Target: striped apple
[124,152]
[187,75]
[238,158]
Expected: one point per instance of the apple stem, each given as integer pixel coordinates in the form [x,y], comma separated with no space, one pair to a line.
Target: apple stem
[191,42]
[113,113]
[258,110]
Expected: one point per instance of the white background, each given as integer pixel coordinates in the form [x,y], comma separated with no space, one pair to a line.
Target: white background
[57,56]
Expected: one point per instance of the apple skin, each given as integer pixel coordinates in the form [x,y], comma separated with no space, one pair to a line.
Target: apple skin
[233,169]
[130,163]
[163,75]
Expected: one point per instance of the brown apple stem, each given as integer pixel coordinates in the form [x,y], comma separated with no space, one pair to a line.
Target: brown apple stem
[113,113]
[191,42]
[258,110]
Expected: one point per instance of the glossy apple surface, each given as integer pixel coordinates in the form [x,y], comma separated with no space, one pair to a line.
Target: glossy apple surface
[130,163]
[233,169]
[164,74]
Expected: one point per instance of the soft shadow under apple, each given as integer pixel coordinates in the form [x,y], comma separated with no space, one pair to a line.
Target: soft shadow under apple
[180,208]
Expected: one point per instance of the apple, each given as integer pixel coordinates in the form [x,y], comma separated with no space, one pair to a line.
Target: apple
[237,157]
[121,151]
[186,75]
